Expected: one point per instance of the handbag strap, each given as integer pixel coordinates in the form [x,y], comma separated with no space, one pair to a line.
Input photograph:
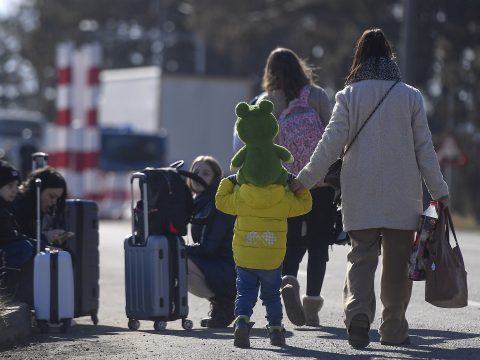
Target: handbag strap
[368,118]
[450,224]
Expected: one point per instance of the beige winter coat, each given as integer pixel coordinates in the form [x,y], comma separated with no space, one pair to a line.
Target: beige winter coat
[382,172]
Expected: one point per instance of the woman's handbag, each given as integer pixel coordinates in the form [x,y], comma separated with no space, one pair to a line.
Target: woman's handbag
[333,174]
[446,281]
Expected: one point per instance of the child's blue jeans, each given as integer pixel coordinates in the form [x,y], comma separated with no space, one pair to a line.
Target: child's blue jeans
[249,281]
[16,254]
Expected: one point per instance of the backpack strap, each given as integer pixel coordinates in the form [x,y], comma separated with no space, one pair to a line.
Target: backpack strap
[305,93]
[193,176]
[301,101]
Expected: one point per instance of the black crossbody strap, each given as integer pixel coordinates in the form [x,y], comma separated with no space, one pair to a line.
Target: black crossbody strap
[450,224]
[368,118]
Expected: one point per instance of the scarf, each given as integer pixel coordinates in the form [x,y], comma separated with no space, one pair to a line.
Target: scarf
[377,68]
[204,205]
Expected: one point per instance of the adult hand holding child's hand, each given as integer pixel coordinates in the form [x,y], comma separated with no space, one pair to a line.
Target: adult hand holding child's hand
[296,187]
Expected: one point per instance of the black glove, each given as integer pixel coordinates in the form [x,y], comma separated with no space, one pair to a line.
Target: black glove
[233,179]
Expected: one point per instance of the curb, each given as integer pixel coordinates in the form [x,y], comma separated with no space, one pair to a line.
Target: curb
[15,324]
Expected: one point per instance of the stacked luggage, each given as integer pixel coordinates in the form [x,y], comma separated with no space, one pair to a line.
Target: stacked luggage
[155,256]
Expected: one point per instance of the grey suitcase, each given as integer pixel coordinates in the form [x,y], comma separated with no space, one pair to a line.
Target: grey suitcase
[81,218]
[155,274]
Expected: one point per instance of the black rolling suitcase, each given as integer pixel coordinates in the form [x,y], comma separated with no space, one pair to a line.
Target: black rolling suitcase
[81,218]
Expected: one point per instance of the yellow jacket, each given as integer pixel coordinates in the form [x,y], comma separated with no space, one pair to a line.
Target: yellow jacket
[260,232]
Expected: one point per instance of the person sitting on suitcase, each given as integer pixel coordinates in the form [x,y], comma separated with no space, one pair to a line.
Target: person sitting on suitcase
[259,241]
[16,249]
[211,270]
[53,194]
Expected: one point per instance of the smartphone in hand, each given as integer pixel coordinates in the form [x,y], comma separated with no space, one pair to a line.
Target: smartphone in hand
[65,236]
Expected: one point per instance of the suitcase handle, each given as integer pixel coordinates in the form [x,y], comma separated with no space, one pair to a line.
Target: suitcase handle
[38,185]
[142,181]
[39,160]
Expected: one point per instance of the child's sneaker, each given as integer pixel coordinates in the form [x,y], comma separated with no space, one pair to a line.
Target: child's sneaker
[276,334]
[241,333]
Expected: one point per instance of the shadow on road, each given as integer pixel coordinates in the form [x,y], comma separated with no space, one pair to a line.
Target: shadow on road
[76,332]
[426,343]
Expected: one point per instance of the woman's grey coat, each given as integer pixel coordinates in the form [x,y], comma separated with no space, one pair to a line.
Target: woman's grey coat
[382,173]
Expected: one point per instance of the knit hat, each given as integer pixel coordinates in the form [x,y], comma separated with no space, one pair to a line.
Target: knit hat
[8,173]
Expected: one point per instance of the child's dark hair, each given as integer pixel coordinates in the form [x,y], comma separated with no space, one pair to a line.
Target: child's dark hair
[286,71]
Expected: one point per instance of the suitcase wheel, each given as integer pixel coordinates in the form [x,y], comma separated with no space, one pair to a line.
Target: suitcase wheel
[94,319]
[160,325]
[65,325]
[133,324]
[43,326]
[187,324]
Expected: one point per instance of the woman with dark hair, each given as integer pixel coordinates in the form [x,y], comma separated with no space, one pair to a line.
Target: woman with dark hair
[381,183]
[53,194]
[211,269]
[288,80]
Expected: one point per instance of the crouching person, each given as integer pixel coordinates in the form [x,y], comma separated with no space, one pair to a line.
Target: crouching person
[211,269]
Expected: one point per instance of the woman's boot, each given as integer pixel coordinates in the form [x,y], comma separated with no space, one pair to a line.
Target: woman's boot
[221,313]
[291,299]
[311,306]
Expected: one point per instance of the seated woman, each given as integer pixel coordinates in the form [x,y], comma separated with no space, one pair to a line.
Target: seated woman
[211,269]
[53,193]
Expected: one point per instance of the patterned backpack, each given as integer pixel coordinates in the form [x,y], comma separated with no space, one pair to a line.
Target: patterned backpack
[300,130]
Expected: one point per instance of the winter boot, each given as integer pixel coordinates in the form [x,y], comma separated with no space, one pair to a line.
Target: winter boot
[291,299]
[358,330]
[276,335]
[311,306]
[242,331]
[220,315]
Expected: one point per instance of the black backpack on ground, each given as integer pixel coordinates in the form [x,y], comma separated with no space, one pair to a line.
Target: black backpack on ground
[170,202]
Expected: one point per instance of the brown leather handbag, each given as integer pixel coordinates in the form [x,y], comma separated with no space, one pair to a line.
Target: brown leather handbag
[446,278]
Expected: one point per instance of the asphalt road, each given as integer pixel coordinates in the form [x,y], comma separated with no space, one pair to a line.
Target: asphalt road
[435,333]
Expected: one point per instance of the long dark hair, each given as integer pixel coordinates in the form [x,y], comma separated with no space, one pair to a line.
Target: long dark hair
[372,43]
[284,70]
[51,178]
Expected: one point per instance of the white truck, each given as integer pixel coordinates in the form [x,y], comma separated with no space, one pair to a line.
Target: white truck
[146,119]
[196,112]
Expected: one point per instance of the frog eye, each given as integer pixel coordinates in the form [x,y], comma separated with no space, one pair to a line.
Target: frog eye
[266,106]
[242,109]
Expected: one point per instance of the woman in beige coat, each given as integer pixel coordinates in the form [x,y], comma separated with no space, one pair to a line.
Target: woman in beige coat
[381,185]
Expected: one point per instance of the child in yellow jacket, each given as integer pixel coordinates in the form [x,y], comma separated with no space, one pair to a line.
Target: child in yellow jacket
[259,245]
[262,204]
